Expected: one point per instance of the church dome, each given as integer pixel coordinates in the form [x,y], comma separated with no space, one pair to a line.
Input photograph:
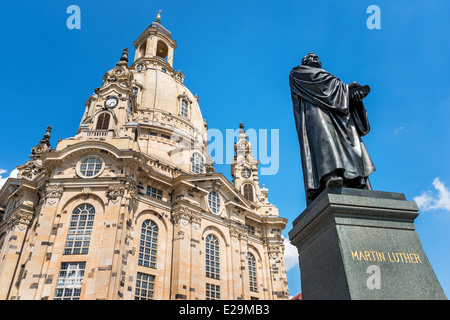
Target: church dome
[166,108]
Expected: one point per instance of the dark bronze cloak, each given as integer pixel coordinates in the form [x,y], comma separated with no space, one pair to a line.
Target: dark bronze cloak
[329,127]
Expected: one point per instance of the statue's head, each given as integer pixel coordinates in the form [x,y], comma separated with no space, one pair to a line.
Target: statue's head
[312,60]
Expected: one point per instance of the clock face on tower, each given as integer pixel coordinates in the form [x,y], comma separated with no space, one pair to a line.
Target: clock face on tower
[246,173]
[111,102]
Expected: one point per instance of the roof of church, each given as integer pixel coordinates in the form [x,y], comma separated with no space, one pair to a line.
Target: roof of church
[159,26]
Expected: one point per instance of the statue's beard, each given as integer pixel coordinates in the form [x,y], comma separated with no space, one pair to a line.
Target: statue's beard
[314,63]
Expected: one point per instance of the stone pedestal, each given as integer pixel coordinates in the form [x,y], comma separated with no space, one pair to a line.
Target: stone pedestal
[361,244]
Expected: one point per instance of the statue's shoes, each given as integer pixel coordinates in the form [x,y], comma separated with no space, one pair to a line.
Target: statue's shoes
[335,182]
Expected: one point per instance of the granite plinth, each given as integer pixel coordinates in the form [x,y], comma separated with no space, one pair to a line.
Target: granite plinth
[362,245]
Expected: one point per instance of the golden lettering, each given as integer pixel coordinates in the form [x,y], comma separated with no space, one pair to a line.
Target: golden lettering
[417,257]
[407,257]
[361,255]
[394,257]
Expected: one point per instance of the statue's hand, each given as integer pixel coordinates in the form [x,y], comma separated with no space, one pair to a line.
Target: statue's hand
[357,95]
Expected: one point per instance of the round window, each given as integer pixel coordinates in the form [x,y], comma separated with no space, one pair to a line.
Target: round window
[214,202]
[90,167]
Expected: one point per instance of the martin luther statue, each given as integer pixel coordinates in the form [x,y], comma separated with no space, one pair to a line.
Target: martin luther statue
[331,119]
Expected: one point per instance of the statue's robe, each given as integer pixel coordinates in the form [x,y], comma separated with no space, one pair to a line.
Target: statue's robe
[329,127]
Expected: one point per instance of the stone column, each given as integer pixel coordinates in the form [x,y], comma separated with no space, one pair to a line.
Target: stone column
[236,262]
[197,278]
[105,283]
[181,254]
[276,260]
[43,242]
[17,225]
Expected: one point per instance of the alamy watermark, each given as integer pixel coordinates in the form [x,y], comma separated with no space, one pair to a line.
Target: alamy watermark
[374,20]
[374,280]
[74,20]
[234,145]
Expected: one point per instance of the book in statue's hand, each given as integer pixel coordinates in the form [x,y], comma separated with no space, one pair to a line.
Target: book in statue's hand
[364,90]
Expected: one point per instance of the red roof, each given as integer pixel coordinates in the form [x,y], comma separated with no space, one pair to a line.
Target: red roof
[297,297]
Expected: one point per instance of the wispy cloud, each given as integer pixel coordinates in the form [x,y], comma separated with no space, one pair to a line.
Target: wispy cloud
[433,200]
[397,130]
[290,254]
[13,174]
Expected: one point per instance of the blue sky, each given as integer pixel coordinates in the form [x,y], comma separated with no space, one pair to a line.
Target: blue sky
[236,55]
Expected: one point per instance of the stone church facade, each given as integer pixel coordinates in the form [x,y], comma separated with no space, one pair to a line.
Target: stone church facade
[131,206]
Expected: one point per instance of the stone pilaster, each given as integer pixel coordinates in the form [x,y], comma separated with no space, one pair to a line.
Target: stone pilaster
[181,269]
[16,228]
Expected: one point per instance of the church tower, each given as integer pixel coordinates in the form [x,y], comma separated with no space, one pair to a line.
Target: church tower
[244,170]
[131,207]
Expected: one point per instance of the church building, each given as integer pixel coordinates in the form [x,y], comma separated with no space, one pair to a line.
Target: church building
[131,207]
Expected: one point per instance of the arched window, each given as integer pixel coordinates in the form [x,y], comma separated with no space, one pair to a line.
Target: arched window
[143,49]
[103,121]
[162,50]
[184,108]
[248,192]
[252,272]
[148,244]
[197,163]
[212,257]
[80,230]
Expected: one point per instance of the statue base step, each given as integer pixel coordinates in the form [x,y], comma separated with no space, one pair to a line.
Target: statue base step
[362,245]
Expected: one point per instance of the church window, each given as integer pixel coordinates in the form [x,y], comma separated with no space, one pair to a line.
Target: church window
[184,108]
[212,292]
[214,202]
[143,49]
[212,257]
[250,229]
[197,163]
[148,244]
[140,67]
[140,187]
[248,192]
[70,281]
[135,91]
[154,193]
[145,284]
[90,167]
[252,272]
[103,121]
[10,208]
[80,230]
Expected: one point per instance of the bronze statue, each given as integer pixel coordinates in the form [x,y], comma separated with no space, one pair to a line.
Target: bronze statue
[331,119]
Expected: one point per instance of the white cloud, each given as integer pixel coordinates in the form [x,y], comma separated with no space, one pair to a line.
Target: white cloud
[13,174]
[397,130]
[290,254]
[439,199]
